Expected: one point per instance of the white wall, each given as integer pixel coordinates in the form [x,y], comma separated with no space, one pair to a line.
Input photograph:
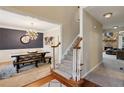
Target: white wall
[56,33]
[92,42]
[65,15]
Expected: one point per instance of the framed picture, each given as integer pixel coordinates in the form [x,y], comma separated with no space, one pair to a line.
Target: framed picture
[49,40]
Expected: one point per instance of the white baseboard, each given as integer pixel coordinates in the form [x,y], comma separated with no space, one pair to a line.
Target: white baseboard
[91,70]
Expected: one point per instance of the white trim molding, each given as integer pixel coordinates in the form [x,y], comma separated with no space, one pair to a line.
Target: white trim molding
[91,70]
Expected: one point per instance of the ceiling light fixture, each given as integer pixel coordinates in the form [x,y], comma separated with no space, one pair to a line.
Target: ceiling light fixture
[32,33]
[115,27]
[107,15]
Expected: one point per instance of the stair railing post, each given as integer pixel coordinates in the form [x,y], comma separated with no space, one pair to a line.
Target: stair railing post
[74,64]
[54,60]
[53,63]
[78,64]
[76,60]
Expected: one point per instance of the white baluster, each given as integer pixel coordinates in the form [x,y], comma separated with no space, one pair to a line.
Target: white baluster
[78,64]
[74,64]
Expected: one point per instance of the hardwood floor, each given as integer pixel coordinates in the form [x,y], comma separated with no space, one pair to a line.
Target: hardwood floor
[40,81]
[50,77]
[89,84]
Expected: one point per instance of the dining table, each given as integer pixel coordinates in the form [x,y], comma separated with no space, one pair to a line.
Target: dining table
[29,57]
[43,54]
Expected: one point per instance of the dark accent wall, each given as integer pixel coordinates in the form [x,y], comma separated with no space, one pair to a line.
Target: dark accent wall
[10,39]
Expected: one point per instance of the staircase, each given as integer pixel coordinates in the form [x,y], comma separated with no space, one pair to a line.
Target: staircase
[65,68]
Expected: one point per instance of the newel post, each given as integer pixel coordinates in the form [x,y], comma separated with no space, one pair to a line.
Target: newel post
[54,61]
[77,60]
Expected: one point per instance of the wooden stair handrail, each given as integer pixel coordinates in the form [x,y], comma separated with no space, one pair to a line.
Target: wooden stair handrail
[56,45]
[77,45]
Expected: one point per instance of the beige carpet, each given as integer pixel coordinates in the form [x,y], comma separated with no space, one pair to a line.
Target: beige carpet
[26,77]
[108,74]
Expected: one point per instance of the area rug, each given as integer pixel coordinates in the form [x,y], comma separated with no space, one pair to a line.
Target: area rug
[53,83]
[8,70]
[26,75]
[56,83]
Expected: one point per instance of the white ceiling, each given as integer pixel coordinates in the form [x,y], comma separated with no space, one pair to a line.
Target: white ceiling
[117,18]
[9,19]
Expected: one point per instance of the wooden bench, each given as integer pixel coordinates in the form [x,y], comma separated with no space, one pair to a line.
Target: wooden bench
[49,59]
[24,60]
[30,58]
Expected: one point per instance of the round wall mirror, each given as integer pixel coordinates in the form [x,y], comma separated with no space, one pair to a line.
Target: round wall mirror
[25,39]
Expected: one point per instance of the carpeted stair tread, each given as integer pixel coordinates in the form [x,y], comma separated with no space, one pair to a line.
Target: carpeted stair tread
[65,65]
[65,69]
[64,74]
[66,61]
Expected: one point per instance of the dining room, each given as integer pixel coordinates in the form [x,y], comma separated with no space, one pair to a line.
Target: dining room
[26,48]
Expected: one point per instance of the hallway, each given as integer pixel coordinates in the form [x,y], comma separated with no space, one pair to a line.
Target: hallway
[108,74]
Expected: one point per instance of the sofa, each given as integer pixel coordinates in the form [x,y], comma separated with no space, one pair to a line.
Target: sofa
[120,54]
[112,51]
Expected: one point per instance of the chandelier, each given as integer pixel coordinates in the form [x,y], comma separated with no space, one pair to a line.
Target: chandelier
[32,33]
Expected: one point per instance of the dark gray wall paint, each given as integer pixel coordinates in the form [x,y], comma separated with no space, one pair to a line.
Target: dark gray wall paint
[10,39]
[0,41]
